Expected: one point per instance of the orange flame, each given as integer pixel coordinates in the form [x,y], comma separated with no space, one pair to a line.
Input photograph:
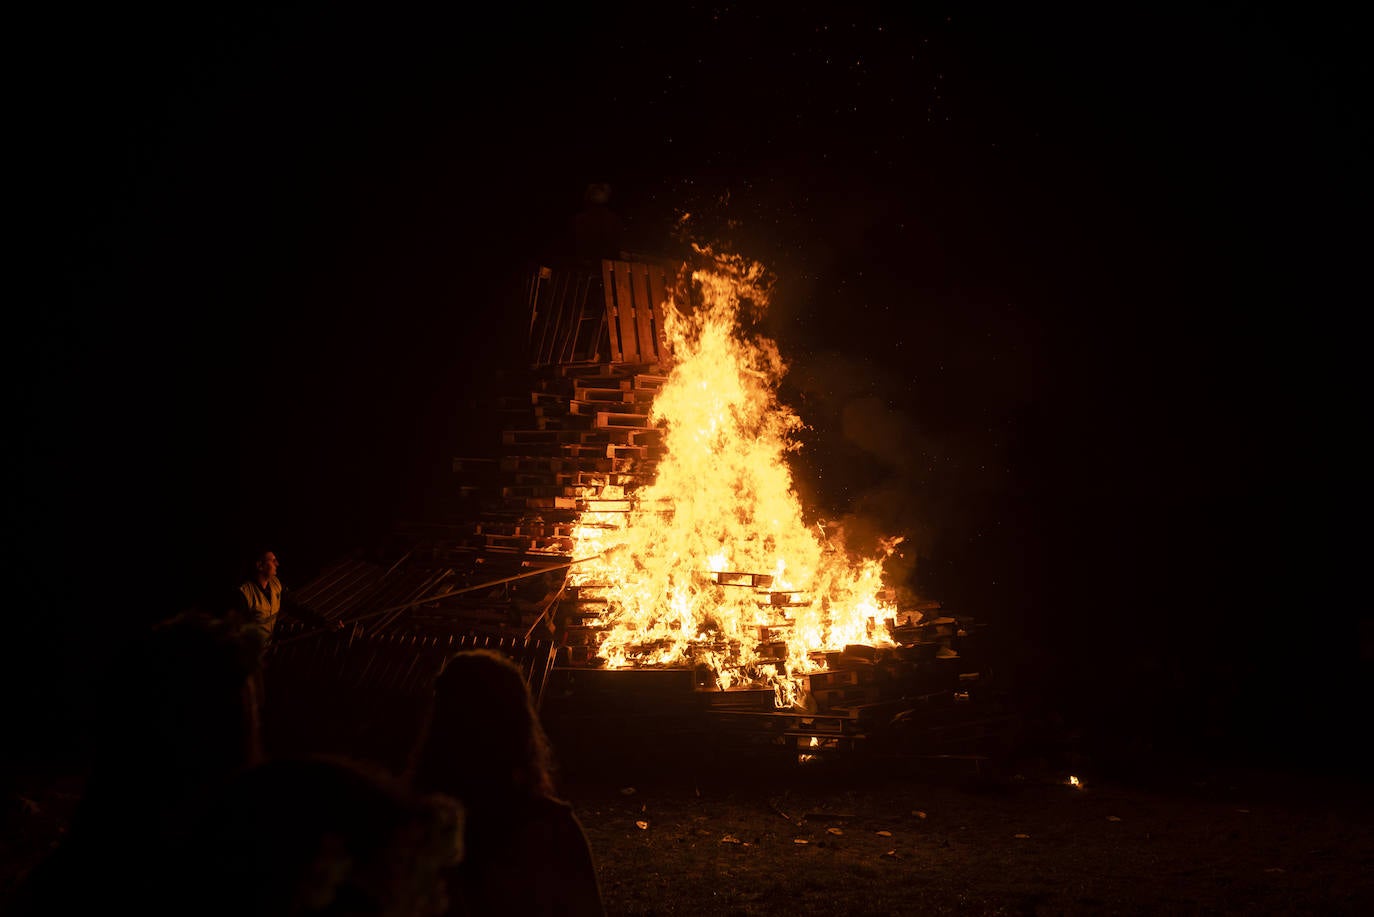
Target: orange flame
[714,565]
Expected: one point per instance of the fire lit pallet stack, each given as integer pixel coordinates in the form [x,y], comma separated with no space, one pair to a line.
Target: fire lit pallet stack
[575,431]
[868,698]
[924,695]
[580,441]
[575,438]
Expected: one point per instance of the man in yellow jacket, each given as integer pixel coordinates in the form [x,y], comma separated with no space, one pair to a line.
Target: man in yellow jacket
[263,598]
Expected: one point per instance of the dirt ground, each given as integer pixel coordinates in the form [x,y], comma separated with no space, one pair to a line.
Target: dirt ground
[825,839]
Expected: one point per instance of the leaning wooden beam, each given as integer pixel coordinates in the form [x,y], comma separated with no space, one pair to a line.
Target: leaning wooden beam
[488,585]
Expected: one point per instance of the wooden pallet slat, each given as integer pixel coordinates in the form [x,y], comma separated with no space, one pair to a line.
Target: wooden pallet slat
[613,419]
[576,319]
[643,306]
[554,306]
[621,290]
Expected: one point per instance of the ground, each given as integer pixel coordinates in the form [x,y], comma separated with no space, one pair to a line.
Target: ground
[943,836]
[963,843]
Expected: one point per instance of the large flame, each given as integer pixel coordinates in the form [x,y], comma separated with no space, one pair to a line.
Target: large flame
[714,565]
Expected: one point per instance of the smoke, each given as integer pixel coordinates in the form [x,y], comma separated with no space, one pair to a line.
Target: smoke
[911,399]
[878,467]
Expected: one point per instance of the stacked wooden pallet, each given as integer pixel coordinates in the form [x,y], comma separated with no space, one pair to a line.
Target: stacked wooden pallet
[610,312]
[579,440]
[928,689]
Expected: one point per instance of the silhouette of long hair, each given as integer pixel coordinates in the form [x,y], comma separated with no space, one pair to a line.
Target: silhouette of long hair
[484,741]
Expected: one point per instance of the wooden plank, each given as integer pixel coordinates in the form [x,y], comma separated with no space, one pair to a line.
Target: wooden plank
[607,506]
[600,334]
[648,381]
[586,395]
[746,698]
[625,313]
[559,304]
[532,286]
[576,314]
[617,353]
[555,304]
[593,322]
[566,441]
[601,371]
[546,490]
[606,419]
[558,463]
[550,503]
[734,578]
[539,320]
[621,451]
[644,308]
[818,681]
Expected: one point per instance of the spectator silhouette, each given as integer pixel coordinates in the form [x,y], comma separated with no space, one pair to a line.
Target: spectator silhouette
[176,718]
[322,835]
[527,853]
[260,602]
[262,599]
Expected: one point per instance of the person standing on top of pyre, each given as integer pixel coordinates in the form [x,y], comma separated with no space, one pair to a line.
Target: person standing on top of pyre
[598,232]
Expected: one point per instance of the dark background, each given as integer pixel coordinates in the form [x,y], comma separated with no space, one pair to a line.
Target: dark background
[1069,299]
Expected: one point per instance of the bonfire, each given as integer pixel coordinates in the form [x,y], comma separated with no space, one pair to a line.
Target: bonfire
[715,565]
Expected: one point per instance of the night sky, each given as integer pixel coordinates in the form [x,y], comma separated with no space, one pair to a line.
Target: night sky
[1068,300]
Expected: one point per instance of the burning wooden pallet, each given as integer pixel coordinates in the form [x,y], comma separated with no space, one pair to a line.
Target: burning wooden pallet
[609,313]
[869,700]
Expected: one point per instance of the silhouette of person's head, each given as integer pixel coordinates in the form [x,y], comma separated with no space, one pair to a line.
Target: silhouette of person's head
[485,741]
[598,232]
[265,566]
[324,835]
[598,193]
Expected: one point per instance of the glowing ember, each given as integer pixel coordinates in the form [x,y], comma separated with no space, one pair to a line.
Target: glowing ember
[714,564]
